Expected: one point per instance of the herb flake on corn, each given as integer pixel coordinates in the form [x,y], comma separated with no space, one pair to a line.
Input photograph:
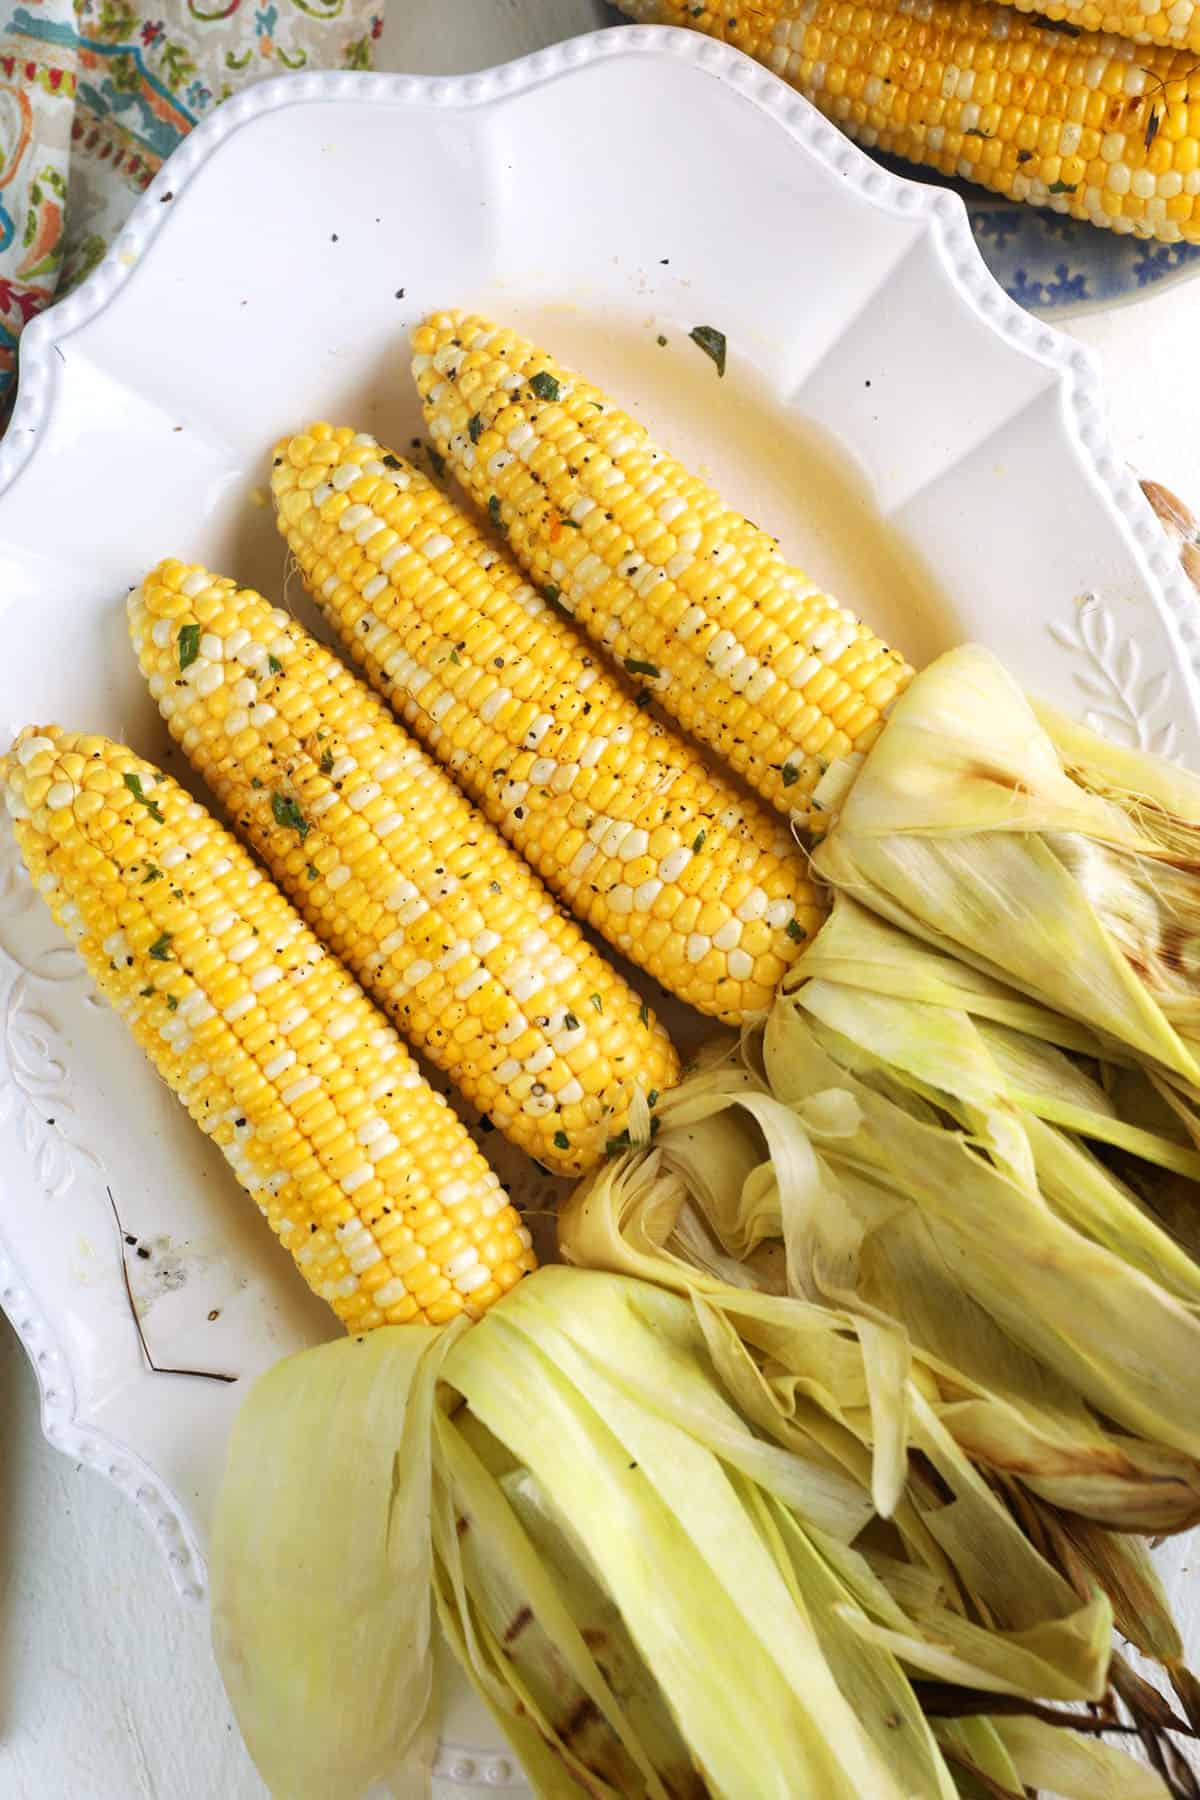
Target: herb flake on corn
[445,925]
[701,887]
[747,654]
[363,1172]
[1089,125]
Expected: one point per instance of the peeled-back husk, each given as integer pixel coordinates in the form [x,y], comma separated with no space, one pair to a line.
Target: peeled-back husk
[656,1600]
[803,1360]
[321,1563]
[1061,1292]
[967,827]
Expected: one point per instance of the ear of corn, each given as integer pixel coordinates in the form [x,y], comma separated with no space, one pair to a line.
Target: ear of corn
[1093,126]
[1166,22]
[362,1171]
[447,927]
[692,599]
[679,871]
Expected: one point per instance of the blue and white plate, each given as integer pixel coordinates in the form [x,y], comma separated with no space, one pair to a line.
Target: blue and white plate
[1055,266]
[1063,267]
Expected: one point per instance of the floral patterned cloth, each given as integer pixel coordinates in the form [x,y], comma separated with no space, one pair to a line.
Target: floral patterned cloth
[94,94]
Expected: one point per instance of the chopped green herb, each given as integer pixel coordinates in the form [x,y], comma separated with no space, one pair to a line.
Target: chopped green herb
[613,1145]
[152,874]
[698,842]
[311,871]
[570,1021]
[494,508]
[644,1013]
[189,645]
[146,993]
[274,665]
[172,1003]
[789,774]
[795,931]
[256,781]
[974,131]
[134,784]
[1062,187]
[561,1141]
[160,949]
[288,814]
[642,699]
[572,524]
[652,1097]
[389,461]
[544,385]
[437,461]
[455,658]
[597,1002]
[551,593]
[637,667]
[712,342]
[474,427]
[493,887]
[326,763]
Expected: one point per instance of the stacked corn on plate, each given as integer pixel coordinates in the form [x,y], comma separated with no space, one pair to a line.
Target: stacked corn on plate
[826,1467]
[1090,109]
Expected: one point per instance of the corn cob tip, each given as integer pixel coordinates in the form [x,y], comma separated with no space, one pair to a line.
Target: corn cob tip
[297,447]
[427,332]
[42,767]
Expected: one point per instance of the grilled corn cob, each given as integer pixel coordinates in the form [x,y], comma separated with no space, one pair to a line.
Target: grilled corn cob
[450,931]
[1144,22]
[1096,127]
[701,887]
[363,1172]
[695,601]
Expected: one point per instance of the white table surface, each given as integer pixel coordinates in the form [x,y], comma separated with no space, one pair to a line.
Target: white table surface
[107,1687]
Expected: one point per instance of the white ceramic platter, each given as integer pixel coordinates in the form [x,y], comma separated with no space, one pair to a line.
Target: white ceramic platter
[886,408]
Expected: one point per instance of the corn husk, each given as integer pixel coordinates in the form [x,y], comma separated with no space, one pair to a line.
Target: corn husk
[321,1563]
[650,1499]
[1052,863]
[1073,1766]
[799,1326]
[656,1600]
[1057,1289]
